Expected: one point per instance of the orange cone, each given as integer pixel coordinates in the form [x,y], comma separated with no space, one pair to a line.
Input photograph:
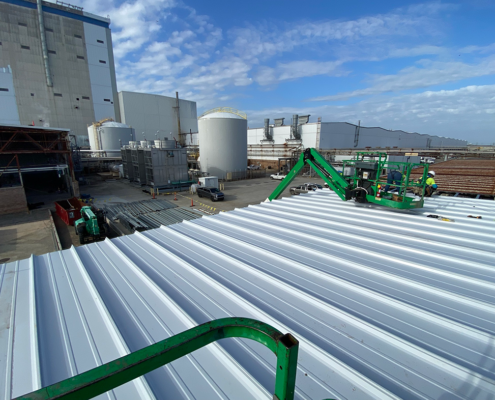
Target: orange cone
[192,203]
[175,196]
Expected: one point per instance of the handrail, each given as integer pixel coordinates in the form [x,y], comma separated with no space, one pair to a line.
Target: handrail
[108,376]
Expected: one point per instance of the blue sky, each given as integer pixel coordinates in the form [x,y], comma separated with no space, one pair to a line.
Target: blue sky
[427,67]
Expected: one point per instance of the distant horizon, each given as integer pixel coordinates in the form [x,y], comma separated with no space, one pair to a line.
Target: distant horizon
[425,67]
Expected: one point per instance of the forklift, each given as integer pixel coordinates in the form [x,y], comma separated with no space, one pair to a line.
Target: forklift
[91,225]
[363,179]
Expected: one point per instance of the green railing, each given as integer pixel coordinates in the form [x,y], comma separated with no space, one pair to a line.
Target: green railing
[106,377]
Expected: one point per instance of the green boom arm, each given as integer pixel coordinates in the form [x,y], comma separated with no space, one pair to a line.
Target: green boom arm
[328,173]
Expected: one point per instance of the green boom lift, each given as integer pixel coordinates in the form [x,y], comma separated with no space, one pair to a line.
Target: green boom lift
[92,225]
[363,179]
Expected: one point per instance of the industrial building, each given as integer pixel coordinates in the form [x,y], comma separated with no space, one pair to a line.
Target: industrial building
[384,305]
[57,62]
[282,141]
[156,117]
[223,142]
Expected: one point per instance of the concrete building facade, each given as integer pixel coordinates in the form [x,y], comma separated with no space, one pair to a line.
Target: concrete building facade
[76,86]
[155,117]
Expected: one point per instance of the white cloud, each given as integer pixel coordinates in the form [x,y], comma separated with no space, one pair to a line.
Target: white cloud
[432,73]
[416,51]
[298,69]
[478,49]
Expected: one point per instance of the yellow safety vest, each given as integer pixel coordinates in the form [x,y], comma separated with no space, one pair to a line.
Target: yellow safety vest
[430,182]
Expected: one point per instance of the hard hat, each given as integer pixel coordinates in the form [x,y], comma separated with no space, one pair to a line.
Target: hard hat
[432,173]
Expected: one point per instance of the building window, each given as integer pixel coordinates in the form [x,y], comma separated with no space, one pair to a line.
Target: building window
[57,94]
[52,52]
[2,89]
[0,43]
[100,41]
[32,94]
[80,57]
[22,24]
[103,62]
[85,98]
[107,100]
[78,36]
[48,29]
[25,47]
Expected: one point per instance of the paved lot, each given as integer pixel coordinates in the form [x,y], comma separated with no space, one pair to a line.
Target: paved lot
[238,194]
[24,234]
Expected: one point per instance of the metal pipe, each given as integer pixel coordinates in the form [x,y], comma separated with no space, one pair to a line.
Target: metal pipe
[178,116]
[43,43]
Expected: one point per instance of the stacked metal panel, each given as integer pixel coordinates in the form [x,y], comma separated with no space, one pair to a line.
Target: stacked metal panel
[149,214]
[385,304]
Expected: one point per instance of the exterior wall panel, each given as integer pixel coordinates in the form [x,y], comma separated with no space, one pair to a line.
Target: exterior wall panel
[9,114]
[156,115]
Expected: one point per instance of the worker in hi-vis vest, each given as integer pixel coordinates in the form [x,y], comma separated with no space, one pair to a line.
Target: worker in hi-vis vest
[430,187]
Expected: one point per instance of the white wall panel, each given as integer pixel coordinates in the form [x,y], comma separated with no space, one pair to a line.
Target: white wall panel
[99,73]
[93,34]
[9,113]
[103,111]
[151,113]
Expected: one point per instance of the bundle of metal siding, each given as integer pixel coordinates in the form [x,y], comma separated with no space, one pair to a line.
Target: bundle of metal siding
[148,214]
[138,207]
[168,217]
[385,304]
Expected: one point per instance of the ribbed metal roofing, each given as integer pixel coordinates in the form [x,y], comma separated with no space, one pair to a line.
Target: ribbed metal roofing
[385,304]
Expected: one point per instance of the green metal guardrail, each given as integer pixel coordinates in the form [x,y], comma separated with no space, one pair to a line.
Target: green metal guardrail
[115,373]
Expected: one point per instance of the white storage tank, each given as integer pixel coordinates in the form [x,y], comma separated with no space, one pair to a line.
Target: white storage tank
[223,141]
[110,136]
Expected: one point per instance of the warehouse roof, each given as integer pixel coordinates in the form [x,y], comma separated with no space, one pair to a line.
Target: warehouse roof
[385,304]
[473,176]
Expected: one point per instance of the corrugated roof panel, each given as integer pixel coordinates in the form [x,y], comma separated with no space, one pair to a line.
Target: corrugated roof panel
[385,304]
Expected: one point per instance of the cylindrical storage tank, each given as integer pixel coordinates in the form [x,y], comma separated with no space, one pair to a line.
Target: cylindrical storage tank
[145,144]
[223,142]
[110,136]
[132,144]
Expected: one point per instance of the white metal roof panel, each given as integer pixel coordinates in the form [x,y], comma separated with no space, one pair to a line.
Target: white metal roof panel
[385,304]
